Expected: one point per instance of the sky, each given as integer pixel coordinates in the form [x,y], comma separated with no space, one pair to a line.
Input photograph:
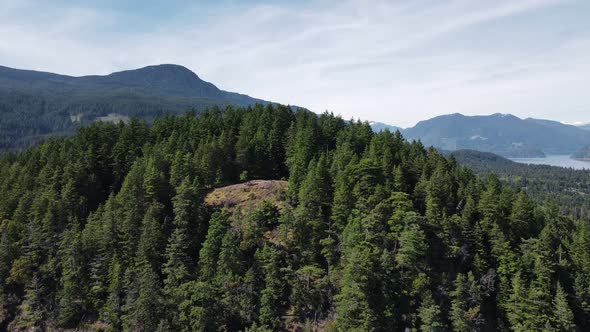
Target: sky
[396,62]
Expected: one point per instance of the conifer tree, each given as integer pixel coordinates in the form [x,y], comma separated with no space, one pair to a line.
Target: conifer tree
[563,317]
[209,253]
[430,314]
[272,295]
[198,309]
[146,312]
[356,304]
[516,306]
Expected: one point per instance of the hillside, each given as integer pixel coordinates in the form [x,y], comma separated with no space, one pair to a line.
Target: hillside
[129,227]
[34,105]
[569,188]
[503,134]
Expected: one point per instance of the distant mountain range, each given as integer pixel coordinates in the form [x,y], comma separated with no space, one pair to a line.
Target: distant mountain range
[380,126]
[504,134]
[35,104]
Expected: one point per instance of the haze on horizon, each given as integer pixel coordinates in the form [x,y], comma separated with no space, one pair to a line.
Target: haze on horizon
[396,62]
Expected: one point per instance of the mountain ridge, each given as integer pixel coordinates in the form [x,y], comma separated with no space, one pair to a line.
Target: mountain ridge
[504,134]
[161,80]
[37,104]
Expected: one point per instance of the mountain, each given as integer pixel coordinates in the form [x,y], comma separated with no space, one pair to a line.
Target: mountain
[585,126]
[36,104]
[503,134]
[380,126]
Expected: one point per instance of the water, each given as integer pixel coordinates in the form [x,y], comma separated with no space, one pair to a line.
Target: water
[561,160]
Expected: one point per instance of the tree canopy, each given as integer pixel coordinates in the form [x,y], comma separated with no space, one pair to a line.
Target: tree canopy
[109,230]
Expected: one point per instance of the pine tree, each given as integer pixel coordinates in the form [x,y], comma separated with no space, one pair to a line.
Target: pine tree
[438,194]
[300,149]
[146,312]
[198,309]
[412,248]
[308,292]
[430,314]
[111,313]
[209,253]
[272,299]
[236,295]
[516,306]
[522,219]
[151,243]
[155,179]
[178,264]
[72,293]
[465,314]
[355,305]
[563,317]
[313,209]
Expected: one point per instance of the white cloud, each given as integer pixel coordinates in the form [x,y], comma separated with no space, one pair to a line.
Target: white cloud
[395,62]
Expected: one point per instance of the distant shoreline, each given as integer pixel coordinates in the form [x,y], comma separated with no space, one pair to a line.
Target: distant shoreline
[558,160]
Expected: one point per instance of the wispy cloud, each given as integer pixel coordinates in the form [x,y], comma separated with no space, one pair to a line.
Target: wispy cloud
[392,61]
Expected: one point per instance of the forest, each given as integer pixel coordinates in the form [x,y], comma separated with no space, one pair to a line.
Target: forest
[567,187]
[108,230]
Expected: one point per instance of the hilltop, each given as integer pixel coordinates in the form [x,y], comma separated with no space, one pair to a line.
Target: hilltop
[249,195]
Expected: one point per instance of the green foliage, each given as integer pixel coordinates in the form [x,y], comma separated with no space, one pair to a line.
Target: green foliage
[357,304]
[109,227]
[563,316]
[209,254]
[466,300]
[567,187]
[198,308]
[272,296]
[430,314]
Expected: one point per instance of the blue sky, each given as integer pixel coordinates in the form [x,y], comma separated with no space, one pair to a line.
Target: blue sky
[397,62]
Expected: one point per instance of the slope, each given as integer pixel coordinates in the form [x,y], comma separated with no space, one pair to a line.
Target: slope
[35,104]
[504,134]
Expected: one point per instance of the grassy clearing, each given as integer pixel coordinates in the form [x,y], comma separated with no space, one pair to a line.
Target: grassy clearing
[248,195]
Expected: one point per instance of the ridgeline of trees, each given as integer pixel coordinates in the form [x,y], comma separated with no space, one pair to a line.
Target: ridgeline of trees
[108,229]
[567,187]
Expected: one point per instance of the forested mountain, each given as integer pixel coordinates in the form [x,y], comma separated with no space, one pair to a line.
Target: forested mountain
[34,105]
[567,187]
[109,230]
[503,134]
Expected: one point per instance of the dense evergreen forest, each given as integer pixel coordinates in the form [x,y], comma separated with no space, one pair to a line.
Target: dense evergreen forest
[108,230]
[568,188]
